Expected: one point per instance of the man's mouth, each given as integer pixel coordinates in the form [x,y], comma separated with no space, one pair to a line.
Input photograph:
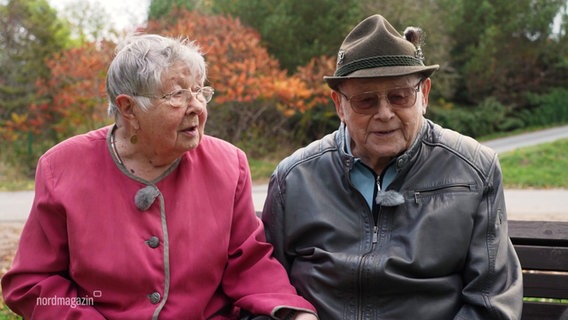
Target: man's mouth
[384,132]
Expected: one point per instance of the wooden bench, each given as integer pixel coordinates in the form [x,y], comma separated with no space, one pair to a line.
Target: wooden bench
[542,247]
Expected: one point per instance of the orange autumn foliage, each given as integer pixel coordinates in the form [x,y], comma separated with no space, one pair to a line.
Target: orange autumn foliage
[245,77]
[72,100]
[77,87]
[240,68]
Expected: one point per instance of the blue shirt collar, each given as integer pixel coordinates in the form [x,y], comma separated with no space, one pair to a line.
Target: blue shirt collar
[362,177]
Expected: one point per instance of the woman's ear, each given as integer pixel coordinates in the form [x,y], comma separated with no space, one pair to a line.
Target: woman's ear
[125,104]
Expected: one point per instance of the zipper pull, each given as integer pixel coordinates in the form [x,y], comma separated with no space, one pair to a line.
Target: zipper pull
[378,183]
[375,234]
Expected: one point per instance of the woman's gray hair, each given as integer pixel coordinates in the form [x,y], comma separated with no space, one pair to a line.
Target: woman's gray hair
[140,61]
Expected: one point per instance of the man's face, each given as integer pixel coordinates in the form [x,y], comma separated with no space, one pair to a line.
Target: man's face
[383,123]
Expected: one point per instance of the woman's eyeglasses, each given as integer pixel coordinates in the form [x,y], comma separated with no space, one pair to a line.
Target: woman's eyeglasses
[181,97]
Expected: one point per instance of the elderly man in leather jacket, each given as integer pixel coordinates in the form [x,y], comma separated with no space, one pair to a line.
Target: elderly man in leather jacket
[392,216]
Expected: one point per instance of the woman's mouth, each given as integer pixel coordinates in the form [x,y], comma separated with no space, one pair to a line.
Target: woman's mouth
[192,130]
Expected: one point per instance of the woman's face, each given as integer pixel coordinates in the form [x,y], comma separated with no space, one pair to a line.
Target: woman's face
[169,131]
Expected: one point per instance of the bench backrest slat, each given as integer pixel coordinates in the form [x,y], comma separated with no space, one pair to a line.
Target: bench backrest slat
[545,285]
[542,247]
[543,258]
[535,232]
[543,311]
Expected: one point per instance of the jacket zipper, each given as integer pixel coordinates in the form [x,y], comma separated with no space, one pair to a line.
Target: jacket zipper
[461,186]
[375,236]
[374,241]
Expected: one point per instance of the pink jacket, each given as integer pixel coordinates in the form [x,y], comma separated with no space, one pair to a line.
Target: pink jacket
[88,252]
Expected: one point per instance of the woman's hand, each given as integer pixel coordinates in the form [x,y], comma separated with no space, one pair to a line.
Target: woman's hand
[291,314]
[305,316]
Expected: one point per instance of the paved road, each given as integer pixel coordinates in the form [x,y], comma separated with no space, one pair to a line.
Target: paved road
[548,205]
[527,139]
[521,204]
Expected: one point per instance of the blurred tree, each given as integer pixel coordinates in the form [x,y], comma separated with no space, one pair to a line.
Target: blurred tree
[30,33]
[436,40]
[492,48]
[507,48]
[295,31]
[77,104]
[320,117]
[77,86]
[250,86]
[160,8]
[86,22]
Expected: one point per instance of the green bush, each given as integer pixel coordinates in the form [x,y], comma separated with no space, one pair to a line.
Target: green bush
[486,118]
[491,116]
[22,154]
[547,109]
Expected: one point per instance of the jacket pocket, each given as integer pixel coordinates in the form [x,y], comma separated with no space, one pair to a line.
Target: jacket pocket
[447,188]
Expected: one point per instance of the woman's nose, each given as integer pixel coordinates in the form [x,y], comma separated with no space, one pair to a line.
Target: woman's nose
[194,105]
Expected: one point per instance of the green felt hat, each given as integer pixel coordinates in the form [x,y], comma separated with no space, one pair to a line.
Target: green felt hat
[375,49]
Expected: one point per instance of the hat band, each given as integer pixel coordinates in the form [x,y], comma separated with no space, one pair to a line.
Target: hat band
[377,62]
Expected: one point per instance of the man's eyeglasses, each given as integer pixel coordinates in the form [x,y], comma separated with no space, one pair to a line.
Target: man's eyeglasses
[181,97]
[368,102]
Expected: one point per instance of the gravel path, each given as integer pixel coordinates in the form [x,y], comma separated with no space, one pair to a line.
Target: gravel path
[9,237]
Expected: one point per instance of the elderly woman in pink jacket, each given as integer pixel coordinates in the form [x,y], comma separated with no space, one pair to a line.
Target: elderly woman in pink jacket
[148,218]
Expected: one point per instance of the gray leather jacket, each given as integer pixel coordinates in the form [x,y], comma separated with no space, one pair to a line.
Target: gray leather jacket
[442,254]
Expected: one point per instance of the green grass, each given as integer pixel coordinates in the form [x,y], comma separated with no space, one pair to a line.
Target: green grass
[11,179]
[542,167]
[5,313]
[262,169]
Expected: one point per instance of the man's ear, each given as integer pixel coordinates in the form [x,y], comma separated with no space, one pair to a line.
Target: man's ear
[336,97]
[425,87]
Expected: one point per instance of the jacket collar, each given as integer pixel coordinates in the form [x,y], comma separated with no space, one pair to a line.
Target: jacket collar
[405,159]
[347,159]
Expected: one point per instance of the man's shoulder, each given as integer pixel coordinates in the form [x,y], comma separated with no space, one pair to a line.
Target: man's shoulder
[460,145]
[311,152]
